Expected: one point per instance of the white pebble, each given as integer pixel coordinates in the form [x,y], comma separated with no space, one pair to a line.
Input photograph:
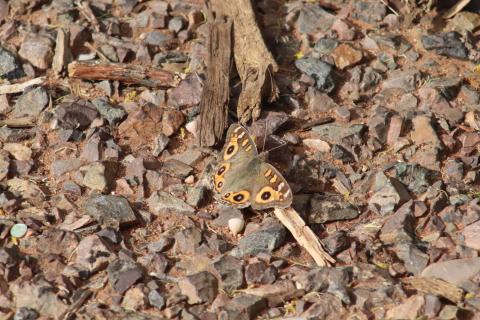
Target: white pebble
[236,225]
[190,179]
[192,127]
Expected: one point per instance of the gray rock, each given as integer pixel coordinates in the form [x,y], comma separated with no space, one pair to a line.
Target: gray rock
[95,177]
[266,239]
[122,274]
[446,44]
[197,195]
[38,50]
[325,46]
[4,165]
[161,142]
[188,240]
[454,271]
[31,103]
[76,115]
[199,288]
[320,71]
[110,211]
[336,242]
[453,171]
[176,168]
[471,234]
[370,12]
[113,115]
[60,167]
[9,67]
[326,209]
[387,194]
[176,24]
[340,153]
[414,259]
[405,81]
[26,313]
[244,306]
[416,178]
[336,133]
[161,203]
[160,245]
[158,38]
[313,18]
[156,299]
[188,93]
[230,272]
[412,308]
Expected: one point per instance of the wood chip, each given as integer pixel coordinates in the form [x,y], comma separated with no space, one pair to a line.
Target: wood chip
[436,287]
[20,87]
[304,235]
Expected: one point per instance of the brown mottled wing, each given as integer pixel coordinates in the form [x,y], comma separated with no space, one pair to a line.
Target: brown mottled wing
[270,189]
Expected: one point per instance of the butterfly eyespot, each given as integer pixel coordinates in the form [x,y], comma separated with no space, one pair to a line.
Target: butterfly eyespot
[221,170]
[230,149]
[227,195]
[266,195]
[238,197]
[219,184]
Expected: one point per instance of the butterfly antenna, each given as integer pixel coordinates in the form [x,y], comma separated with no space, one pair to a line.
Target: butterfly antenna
[283,143]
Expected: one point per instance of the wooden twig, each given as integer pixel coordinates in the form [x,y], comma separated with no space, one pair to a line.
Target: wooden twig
[456,9]
[436,287]
[304,235]
[25,122]
[128,73]
[254,62]
[20,87]
[216,92]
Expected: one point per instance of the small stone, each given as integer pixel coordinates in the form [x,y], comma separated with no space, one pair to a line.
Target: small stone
[18,230]
[199,288]
[416,178]
[447,44]
[134,299]
[156,299]
[454,271]
[343,114]
[449,312]
[176,168]
[326,209]
[26,313]
[161,203]
[9,67]
[395,128]
[31,103]
[259,273]
[320,71]
[266,239]
[76,115]
[336,242]
[317,145]
[111,234]
[60,167]
[387,194]
[172,121]
[399,227]
[92,254]
[230,272]
[313,18]
[405,81]
[161,245]
[122,274]
[176,24]
[161,142]
[346,56]
[432,305]
[325,46]
[340,153]
[414,259]
[95,176]
[188,240]
[196,195]
[110,211]
[244,306]
[236,225]
[343,30]
[111,114]
[188,93]
[410,309]
[370,12]
[18,151]
[471,235]
[158,38]
[37,50]
[336,133]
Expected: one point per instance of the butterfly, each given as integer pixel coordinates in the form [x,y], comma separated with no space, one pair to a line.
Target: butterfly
[242,178]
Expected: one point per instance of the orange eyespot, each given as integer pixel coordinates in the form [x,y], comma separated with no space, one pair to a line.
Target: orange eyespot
[237,197]
[231,149]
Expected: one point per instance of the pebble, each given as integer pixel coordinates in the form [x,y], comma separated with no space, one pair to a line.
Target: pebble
[113,115]
[199,288]
[162,203]
[110,211]
[18,230]
[230,272]
[266,239]
[388,193]
[31,103]
[188,93]
[9,67]
[320,71]
[327,209]
[38,50]
[447,44]
[346,56]
[236,225]
[122,274]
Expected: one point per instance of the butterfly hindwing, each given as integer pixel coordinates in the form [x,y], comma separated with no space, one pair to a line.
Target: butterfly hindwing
[271,189]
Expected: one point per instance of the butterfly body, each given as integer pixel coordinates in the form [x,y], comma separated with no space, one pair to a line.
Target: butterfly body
[242,178]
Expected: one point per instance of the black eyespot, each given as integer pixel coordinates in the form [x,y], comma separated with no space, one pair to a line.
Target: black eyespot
[266,195]
[221,170]
[227,195]
[230,149]
[219,184]
[238,197]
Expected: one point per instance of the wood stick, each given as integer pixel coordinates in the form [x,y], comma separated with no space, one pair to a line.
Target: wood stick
[304,235]
[436,287]
[20,87]
[147,76]
[254,62]
[216,92]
